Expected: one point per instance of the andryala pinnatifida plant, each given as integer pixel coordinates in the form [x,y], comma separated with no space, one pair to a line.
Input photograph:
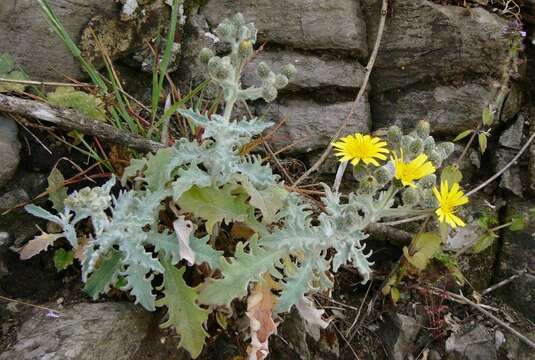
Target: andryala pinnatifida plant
[208,184]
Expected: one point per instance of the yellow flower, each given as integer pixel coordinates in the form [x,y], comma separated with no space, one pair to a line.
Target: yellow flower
[448,200]
[358,147]
[418,168]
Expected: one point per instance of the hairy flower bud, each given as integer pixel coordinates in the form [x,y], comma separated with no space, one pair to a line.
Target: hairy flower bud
[368,185]
[410,196]
[269,93]
[423,129]
[226,31]
[394,134]
[428,198]
[429,145]
[281,81]
[446,149]
[289,71]
[238,20]
[436,158]
[246,49]
[205,55]
[428,182]
[383,175]
[416,147]
[359,172]
[263,70]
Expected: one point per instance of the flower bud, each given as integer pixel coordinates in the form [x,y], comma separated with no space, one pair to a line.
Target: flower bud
[429,144]
[416,147]
[410,196]
[205,55]
[226,31]
[359,172]
[428,182]
[238,20]
[289,71]
[269,93]
[394,134]
[436,158]
[383,175]
[368,185]
[428,198]
[263,70]
[423,129]
[280,81]
[246,49]
[446,149]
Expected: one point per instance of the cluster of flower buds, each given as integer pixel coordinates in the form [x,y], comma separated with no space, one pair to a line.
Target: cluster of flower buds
[94,199]
[419,141]
[226,70]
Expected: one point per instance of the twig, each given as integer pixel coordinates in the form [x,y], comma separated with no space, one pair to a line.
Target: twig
[348,332]
[358,99]
[503,282]
[403,221]
[73,120]
[28,304]
[502,323]
[495,176]
[43,83]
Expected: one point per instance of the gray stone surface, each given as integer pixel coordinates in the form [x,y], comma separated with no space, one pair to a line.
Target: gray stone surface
[398,333]
[9,149]
[512,178]
[476,344]
[84,332]
[313,70]
[518,253]
[313,124]
[34,45]
[512,136]
[450,109]
[320,24]
[425,41]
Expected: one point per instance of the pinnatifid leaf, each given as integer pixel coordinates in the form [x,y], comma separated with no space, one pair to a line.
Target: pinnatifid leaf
[105,276]
[63,259]
[38,244]
[183,313]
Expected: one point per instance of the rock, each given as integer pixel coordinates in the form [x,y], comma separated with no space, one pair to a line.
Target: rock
[511,179]
[13,198]
[398,333]
[84,331]
[313,124]
[518,253]
[477,268]
[514,349]
[303,24]
[28,37]
[313,70]
[5,243]
[449,109]
[424,41]
[512,136]
[476,344]
[9,148]
[122,35]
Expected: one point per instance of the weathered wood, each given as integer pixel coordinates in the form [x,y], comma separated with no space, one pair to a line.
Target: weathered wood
[73,120]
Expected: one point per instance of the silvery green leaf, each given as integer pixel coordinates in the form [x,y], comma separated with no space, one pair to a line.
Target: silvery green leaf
[188,177]
[136,254]
[205,253]
[239,272]
[166,244]
[105,276]
[296,287]
[140,285]
[42,213]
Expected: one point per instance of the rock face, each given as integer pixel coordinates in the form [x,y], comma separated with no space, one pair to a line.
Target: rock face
[311,125]
[34,45]
[476,344]
[399,333]
[322,24]
[9,148]
[85,331]
[518,253]
[429,58]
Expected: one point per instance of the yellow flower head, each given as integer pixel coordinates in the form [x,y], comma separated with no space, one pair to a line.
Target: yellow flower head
[416,169]
[448,200]
[358,147]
